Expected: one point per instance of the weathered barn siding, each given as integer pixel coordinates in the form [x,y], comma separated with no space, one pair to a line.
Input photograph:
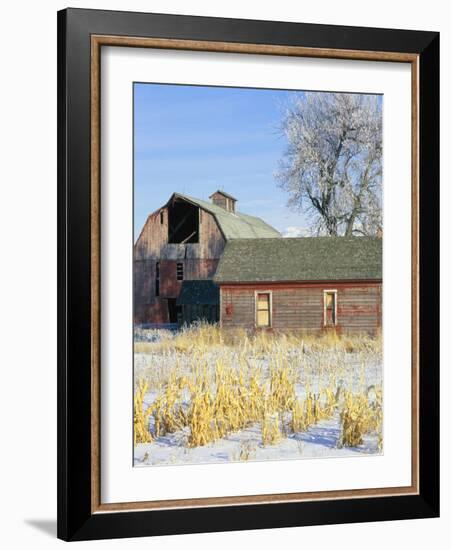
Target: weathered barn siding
[193,269]
[212,241]
[301,306]
[153,237]
[157,312]
[153,240]
[360,308]
[199,261]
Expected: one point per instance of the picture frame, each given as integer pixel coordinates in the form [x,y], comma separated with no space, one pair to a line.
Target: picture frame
[81,36]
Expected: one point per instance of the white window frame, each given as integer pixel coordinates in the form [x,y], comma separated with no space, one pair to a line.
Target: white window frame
[256,293]
[325,292]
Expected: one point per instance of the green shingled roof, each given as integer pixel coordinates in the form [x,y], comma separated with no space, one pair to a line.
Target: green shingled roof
[301,259]
[203,292]
[234,225]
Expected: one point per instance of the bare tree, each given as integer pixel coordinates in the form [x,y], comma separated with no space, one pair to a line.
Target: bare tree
[332,168]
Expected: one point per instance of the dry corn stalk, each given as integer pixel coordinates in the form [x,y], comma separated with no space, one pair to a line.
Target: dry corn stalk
[141,432]
[253,378]
[362,414]
[271,433]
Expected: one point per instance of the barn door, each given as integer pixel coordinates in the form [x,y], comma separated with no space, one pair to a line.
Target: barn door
[174,311]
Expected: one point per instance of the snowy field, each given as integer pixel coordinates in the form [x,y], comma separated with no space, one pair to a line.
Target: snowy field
[338,369]
[320,441]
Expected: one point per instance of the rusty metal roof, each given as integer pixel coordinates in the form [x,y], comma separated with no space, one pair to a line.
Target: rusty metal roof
[301,259]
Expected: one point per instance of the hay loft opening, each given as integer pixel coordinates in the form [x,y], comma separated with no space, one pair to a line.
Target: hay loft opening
[183,226]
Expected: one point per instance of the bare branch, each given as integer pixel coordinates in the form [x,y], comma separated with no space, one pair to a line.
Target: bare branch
[332,167]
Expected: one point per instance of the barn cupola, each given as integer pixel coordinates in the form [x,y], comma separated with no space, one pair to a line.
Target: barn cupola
[224,200]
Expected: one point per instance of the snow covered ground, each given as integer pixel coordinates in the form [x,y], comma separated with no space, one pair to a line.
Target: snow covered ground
[321,440]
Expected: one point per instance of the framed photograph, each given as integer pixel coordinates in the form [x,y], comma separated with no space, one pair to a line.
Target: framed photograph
[248,274]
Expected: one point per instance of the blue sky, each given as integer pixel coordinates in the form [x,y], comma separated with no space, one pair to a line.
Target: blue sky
[197,139]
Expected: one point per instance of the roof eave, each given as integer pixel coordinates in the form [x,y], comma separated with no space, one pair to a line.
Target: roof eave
[374,280]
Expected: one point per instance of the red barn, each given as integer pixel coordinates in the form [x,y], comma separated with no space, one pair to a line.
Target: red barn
[311,284]
[177,253]
[205,260]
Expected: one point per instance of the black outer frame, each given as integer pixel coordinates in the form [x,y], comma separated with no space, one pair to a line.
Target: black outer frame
[75,520]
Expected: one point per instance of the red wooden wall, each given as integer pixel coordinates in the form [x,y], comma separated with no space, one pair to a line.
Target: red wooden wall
[199,260]
[301,306]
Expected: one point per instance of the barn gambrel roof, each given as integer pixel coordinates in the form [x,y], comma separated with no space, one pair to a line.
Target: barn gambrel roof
[234,225]
[300,259]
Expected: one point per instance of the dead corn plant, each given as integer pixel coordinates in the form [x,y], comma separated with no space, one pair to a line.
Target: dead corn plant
[221,382]
[141,433]
[362,414]
[270,425]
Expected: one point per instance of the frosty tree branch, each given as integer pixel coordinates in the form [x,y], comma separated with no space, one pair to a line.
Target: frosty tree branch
[332,167]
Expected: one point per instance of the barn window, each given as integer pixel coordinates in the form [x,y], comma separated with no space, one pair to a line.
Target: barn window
[263,309]
[179,272]
[157,279]
[330,308]
[161,217]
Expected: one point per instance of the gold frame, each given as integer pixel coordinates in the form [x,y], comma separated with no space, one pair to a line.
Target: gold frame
[97,41]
